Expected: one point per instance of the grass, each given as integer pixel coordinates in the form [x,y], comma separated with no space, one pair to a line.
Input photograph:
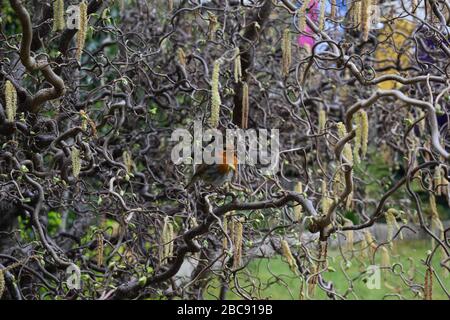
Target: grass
[272,278]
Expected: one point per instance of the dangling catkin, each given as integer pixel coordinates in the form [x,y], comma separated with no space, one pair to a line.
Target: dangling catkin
[298,208]
[363,247]
[333,9]
[358,138]
[181,56]
[128,161]
[322,119]
[11,101]
[215,96]
[225,229]
[436,223]
[385,257]
[2,282]
[338,182]
[348,236]
[364,123]
[391,223]
[347,151]
[212,28]
[286,52]
[170,238]
[326,201]
[245,106]
[288,256]
[100,249]
[237,66]
[322,14]
[82,30]
[365,18]
[428,285]
[76,162]
[349,201]
[238,236]
[355,13]
[166,248]
[370,241]
[302,15]
[58,15]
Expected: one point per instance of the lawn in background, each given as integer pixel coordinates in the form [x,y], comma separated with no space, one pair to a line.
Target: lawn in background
[272,278]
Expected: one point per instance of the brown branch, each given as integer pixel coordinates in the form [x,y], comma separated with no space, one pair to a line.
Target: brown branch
[31,64]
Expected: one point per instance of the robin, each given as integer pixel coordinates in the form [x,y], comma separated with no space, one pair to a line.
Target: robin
[215,174]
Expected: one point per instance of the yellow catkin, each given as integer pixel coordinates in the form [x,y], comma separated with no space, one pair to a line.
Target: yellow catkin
[323,4]
[385,257]
[302,15]
[225,229]
[11,101]
[372,245]
[347,151]
[286,52]
[333,9]
[433,207]
[349,239]
[391,223]
[428,284]
[82,30]
[298,208]
[355,13]
[238,237]
[245,106]
[338,182]
[181,56]
[2,282]
[444,184]
[76,162]
[170,238]
[358,138]
[100,249]
[212,28]
[436,223]
[364,122]
[85,120]
[166,247]
[288,256]
[349,201]
[326,201]
[215,96]
[366,6]
[58,15]
[237,66]
[128,161]
[438,180]
[322,119]
[363,247]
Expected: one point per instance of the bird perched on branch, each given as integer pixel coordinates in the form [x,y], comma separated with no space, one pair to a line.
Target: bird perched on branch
[215,174]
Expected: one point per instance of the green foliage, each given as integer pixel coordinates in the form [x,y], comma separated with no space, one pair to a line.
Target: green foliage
[54,221]
[276,281]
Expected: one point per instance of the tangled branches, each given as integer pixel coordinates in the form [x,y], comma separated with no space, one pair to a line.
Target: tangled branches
[360,94]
